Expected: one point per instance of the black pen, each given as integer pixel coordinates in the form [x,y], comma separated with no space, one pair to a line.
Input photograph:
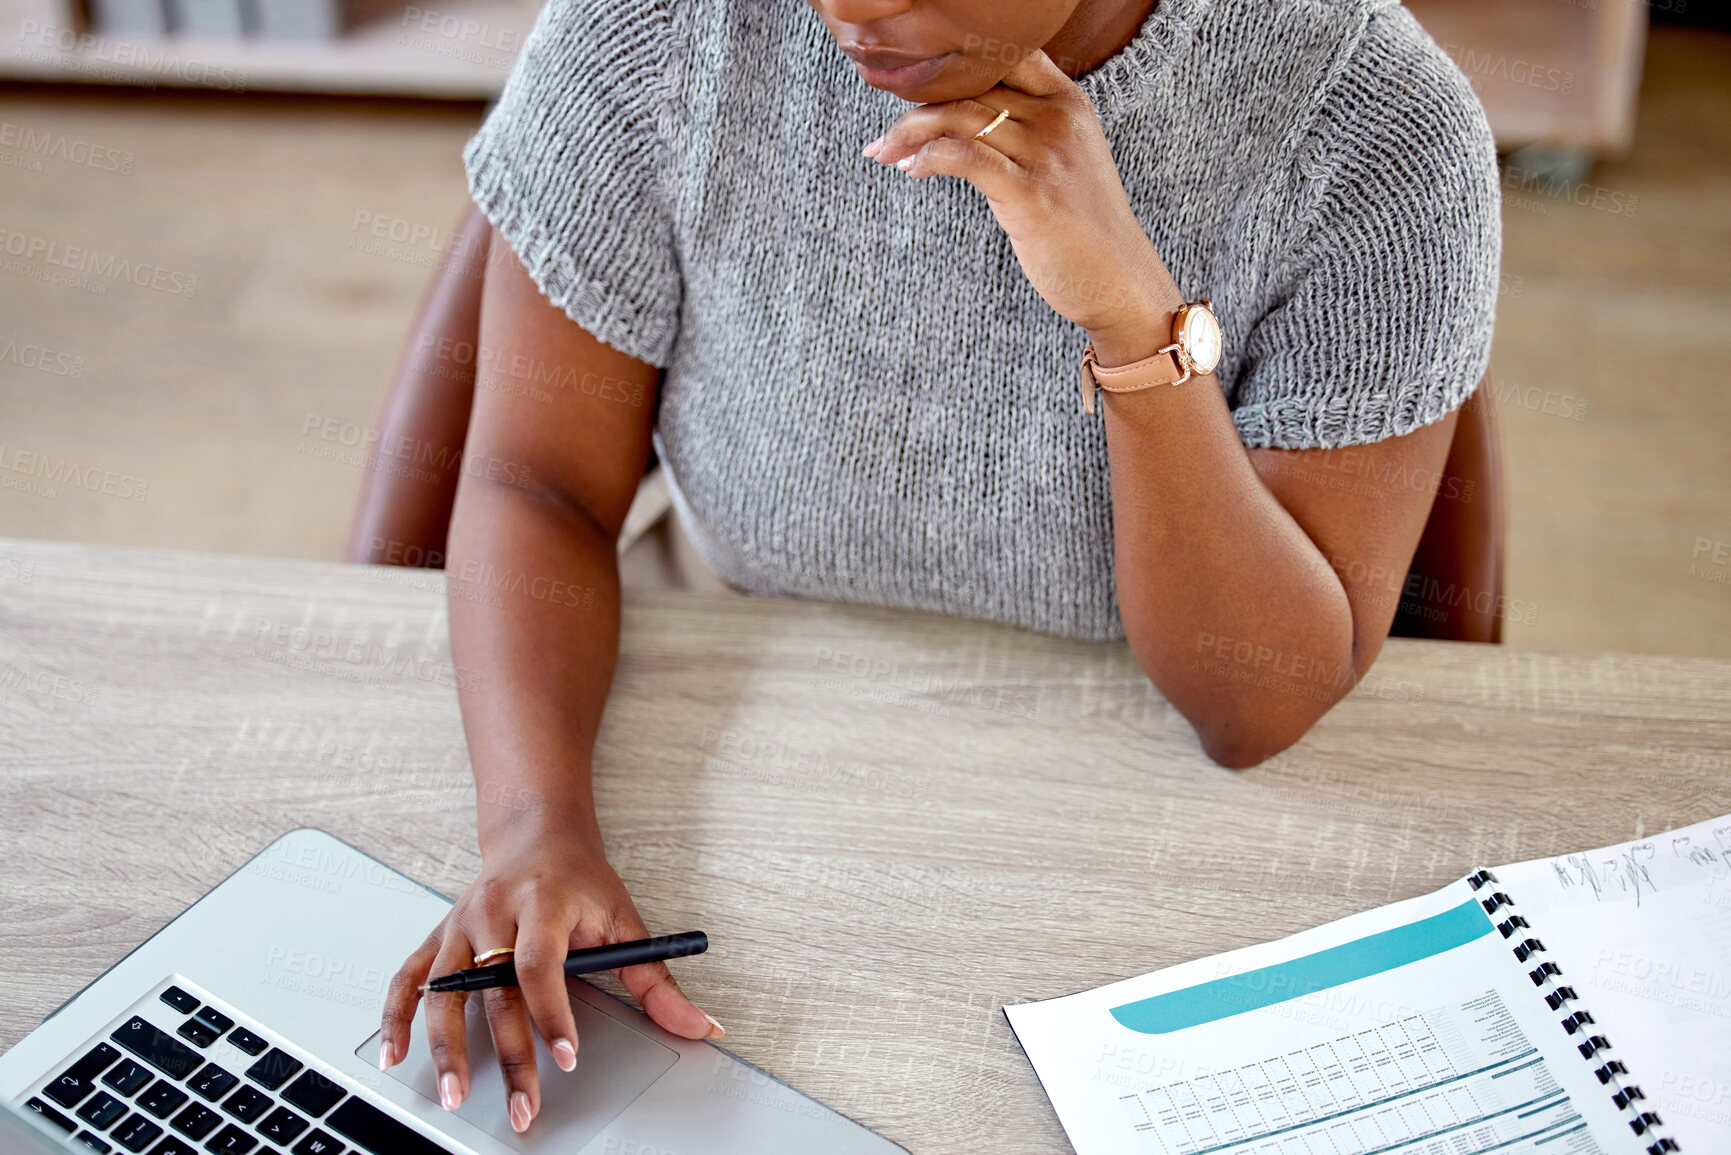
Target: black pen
[587,961]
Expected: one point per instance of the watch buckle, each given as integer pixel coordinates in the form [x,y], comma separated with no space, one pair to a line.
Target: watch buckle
[1089,384]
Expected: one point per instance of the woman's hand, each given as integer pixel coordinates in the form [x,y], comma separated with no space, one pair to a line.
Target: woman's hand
[1048,175]
[542,895]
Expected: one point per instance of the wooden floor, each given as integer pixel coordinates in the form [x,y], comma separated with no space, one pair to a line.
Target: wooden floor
[189,402]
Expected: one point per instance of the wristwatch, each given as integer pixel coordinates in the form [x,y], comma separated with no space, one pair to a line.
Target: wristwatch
[1195,350]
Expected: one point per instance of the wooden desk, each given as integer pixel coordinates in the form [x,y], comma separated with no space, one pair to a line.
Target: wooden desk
[889,823]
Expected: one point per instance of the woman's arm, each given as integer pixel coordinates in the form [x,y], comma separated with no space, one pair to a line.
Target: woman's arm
[403,515]
[1256,586]
[556,447]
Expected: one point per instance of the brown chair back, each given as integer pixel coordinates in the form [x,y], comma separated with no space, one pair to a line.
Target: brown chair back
[1454,588]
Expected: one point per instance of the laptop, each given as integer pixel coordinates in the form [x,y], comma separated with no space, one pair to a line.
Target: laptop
[249,1026]
[27,1133]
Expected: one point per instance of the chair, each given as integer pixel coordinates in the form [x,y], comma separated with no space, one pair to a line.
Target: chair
[1454,588]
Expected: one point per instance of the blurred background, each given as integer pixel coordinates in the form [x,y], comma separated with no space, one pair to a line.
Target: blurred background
[217,218]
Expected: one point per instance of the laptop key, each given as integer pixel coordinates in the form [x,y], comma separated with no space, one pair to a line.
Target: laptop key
[274,1069]
[213,1082]
[313,1093]
[180,1000]
[371,1129]
[214,1019]
[231,1140]
[201,1035]
[102,1110]
[173,1146]
[196,1121]
[282,1125]
[128,1077]
[318,1143]
[247,1041]
[135,1133]
[79,1079]
[94,1142]
[50,1114]
[158,1048]
[162,1100]
[247,1104]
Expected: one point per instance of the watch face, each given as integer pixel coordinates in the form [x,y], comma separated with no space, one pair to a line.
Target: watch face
[1200,338]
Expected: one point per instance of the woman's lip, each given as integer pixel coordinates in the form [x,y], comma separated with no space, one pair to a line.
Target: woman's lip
[913,73]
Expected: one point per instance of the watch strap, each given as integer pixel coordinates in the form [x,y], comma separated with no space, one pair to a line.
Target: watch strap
[1161,368]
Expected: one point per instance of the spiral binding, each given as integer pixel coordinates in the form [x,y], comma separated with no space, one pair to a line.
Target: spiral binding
[1548,977]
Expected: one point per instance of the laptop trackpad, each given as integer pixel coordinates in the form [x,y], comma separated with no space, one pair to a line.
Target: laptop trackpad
[615,1064]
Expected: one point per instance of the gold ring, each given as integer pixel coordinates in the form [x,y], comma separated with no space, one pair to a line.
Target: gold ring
[1002,117]
[486,957]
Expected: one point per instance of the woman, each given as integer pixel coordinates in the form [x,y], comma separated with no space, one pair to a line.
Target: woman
[714,232]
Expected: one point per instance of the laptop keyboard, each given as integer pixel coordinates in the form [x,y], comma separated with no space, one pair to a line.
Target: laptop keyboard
[182,1078]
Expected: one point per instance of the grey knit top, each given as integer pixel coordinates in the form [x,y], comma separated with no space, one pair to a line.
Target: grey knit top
[864,399]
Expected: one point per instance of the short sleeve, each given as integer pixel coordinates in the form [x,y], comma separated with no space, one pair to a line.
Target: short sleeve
[571,168]
[1385,302]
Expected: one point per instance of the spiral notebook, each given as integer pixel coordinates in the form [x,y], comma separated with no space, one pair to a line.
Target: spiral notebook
[1579,1005]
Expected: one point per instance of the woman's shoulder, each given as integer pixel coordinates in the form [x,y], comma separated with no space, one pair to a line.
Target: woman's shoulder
[1392,83]
[582,47]
[1367,98]
[1402,120]
[1331,77]
[1390,250]
[665,47]
[1326,50]
[641,22]
[1398,68]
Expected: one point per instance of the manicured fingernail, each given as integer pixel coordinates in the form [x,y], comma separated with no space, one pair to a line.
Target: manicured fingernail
[519,1112]
[872,148]
[449,1093]
[718,1031]
[905,163]
[565,1054]
[385,1055]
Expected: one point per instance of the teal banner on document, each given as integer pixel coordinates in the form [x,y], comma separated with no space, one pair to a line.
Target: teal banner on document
[1348,962]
